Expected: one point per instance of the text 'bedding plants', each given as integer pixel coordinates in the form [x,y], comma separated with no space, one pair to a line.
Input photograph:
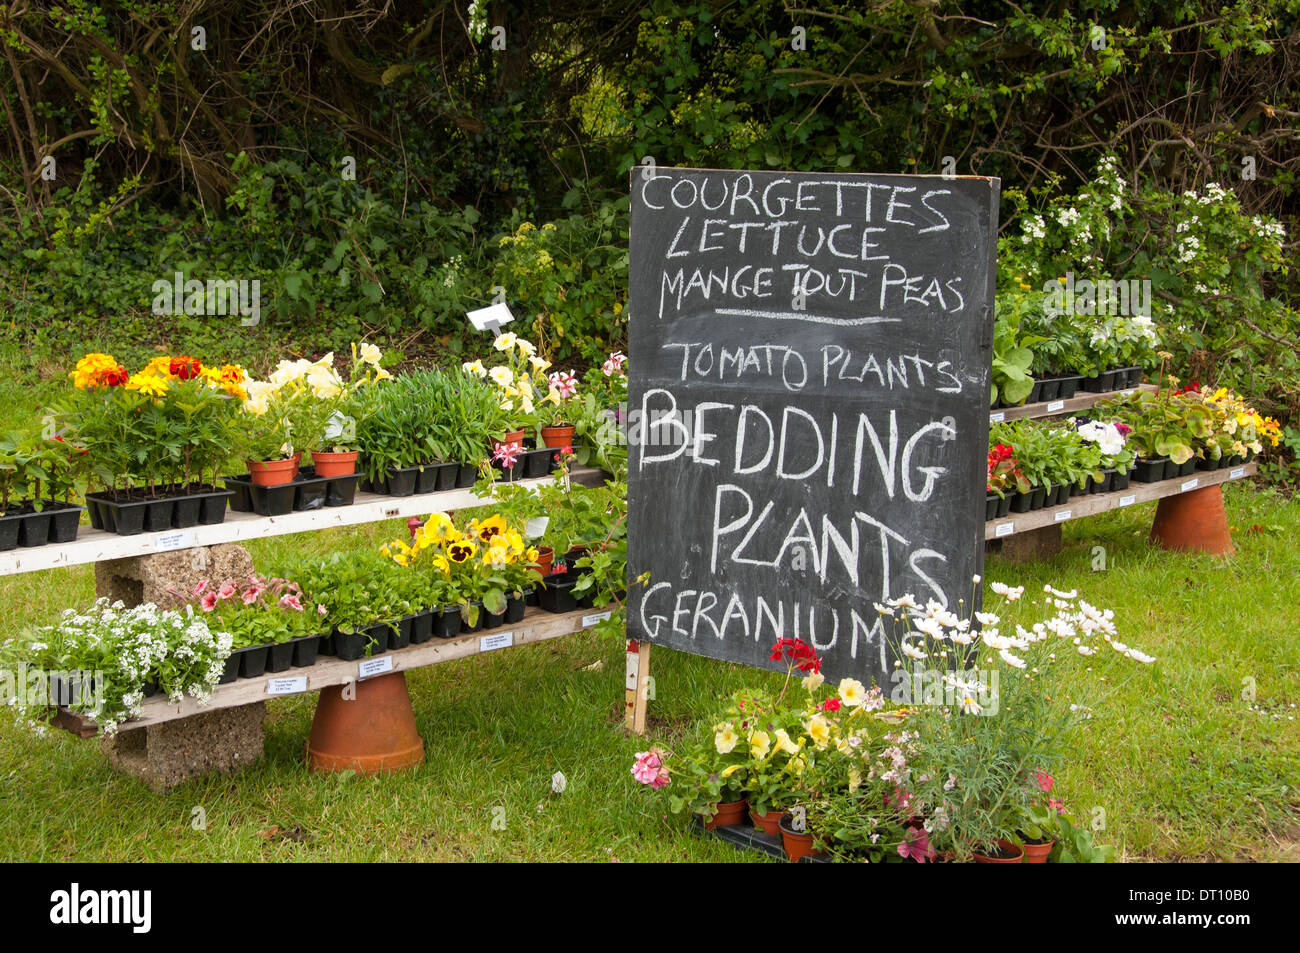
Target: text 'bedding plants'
[948,760]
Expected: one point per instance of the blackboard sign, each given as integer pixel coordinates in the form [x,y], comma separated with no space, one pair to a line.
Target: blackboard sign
[808,397]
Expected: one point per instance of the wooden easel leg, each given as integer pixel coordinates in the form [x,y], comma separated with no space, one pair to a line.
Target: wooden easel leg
[637,688]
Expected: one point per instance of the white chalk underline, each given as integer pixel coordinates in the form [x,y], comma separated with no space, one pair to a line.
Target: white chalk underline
[805,316]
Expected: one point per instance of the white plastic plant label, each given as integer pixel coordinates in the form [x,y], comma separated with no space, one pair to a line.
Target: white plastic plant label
[1062,515]
[374,666]
[1004,529]
[537,526]
[596,617]
[498,640]
[491,317]
[1191,484]
[1128,500]
[997,417]
[169,541]
[1055,406]
[1236,473]
[286,686]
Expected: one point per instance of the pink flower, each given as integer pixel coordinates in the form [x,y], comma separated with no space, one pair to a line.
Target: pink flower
[208,602]
[565,382]
[201,588]
[227,590]
[321,610]
[506,454]
[1045,780]
[290,601]
[252,594]
[649,769]
[1055,805]
[916,846]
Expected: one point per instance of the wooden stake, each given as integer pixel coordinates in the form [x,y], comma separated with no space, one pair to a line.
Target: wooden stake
[637,688]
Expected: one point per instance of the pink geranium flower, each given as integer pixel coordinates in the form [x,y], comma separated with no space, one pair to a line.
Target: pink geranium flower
[565,383]
[649,769]
[1045,780]
[506,454]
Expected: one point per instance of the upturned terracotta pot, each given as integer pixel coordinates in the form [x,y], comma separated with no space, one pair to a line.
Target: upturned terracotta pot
[273,472]
[1017,855]
[730,814]
[769,823]
[334,464]
[370,731]
[556,437]
[797,844]
[1037,853]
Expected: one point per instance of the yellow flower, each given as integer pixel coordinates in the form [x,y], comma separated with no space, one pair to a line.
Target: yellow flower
[783,742]
[813,681]
[526,347]
[502,376]
[725,740]
[474,367]
[539,363]
[852,692]
[728,772]
[759,744]
[370,355]
[162,367]
[819,730]
[440,563]
[505,341]
[461,550]
[147,384]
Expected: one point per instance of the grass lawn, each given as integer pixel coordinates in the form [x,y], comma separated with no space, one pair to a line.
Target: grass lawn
[1181,765]
[1177,762]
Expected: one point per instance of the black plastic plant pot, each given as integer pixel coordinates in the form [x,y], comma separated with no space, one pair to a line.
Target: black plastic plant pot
[557,594]
[252,660]
[124,519]
[399,634]
[446,622]
[426,479]
[515,607]
[479,618]
[95,513]
[326,646]
[1049,388]
[185,511]
[150,688]
[533,597]
[305,650]
[381,635]
[990,507]
[1084,488]
[1064,492]
[1150,471]
[241,499]
[65,521]
[1171,470]
[1020,502]
[212,507]
[1121,480]
[1038,498]
[1187,467]
[273,500]
[231,670]
[341,491]
[1135,376]
[466,475]
[350,646]
[158,515]
[1004,505]
[310,494]
[379,486]
[537,463]
[444,476]
[280,657]
[422,627]
[1070,386]
[1103,485]
[1035,393]
[401,482]
[34,529]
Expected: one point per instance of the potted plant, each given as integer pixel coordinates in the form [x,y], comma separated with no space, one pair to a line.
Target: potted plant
[556,428]
[343,404]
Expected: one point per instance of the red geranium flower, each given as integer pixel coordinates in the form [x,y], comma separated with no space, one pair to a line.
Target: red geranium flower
[831,704]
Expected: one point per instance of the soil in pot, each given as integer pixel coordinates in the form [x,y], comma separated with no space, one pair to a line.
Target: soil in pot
[1001,852]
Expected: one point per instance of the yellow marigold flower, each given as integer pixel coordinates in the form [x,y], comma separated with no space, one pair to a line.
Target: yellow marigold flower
[147,384]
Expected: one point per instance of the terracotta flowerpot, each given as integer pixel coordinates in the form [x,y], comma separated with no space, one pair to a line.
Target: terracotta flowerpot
[1017,855]
[1037,853]
[370,733]
[334,464]
[1193,522]
[555,437]
[545,556]
[515,436]
[730,814]
[273,472]
[797,844]
[769,823]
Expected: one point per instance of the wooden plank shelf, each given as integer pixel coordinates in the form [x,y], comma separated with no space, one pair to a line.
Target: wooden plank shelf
[93,545]
[1080,401]
[1081,506]
[536,626]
